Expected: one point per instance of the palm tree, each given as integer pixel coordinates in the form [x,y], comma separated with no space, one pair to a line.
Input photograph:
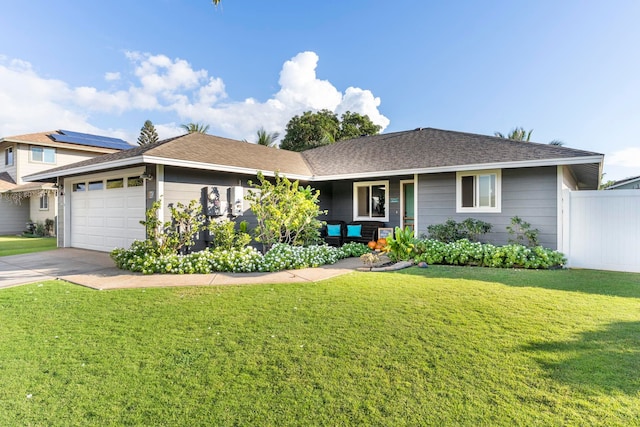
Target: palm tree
[557,143]
[519,134]
[195,127]
[265,138]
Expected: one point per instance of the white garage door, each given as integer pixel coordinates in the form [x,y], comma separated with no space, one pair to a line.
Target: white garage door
[106,212]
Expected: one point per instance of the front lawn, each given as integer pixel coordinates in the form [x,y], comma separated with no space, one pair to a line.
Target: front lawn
[14,245]
[436,346]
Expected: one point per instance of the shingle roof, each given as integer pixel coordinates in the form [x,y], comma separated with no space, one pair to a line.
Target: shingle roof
[207,149]
[418,150]
[427,148]
[6,182]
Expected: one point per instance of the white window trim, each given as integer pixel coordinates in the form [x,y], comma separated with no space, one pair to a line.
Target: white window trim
[31,159]
[44,196]
[484,209]
[358,184]
[6,156]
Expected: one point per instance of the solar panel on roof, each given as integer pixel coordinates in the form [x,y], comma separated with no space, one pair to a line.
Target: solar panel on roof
[90,140]
[90,136]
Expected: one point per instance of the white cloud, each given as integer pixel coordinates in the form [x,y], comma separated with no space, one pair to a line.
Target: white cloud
[627,157]
[31,103]
[111,76]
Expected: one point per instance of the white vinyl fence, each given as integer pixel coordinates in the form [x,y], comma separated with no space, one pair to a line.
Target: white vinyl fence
[601,229]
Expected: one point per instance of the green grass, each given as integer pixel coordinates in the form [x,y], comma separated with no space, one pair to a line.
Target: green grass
[437,346]
[14,245]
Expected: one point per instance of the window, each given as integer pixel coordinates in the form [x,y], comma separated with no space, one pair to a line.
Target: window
[44,202]
[8,156]
[134,181]
[96,185]
[43,154]
[371,201]
[79,186]
[478,191]
[115,183]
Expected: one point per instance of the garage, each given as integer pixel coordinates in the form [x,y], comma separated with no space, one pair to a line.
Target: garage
[106,211]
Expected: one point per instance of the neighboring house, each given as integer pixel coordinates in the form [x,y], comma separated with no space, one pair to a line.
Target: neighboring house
[22,201]
[413,178]
[626,184]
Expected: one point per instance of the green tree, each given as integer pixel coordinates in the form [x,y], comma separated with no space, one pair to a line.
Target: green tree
[354,125]
[519,134]
[311,130]
[265,138]
[195,127]
[323,128]
[285,212]
[148,134]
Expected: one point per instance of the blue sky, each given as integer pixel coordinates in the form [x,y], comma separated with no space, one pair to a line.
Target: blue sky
[568,70]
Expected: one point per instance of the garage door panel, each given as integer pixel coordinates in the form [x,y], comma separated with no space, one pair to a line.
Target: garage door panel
[106,219]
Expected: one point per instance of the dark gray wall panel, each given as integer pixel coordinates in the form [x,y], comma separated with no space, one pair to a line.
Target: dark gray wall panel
[530,193]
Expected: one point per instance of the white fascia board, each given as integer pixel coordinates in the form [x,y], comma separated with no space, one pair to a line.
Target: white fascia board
[96,167]
[219,168]
[470,167]
[235,169]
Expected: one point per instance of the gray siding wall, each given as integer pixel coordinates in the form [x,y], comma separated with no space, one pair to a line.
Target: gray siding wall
[184,185]
[530,193]
[13,217]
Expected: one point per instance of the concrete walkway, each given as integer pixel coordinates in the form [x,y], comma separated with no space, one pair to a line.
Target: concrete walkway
[96,270]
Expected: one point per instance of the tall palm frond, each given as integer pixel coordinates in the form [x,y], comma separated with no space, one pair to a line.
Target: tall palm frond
[195,127]
[267,139]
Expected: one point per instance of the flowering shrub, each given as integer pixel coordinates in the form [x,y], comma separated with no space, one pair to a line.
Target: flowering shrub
[144,258]
[464,252]
[353,249]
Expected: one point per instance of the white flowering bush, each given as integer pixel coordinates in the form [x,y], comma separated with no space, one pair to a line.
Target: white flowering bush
[286,257]
[142,258]
[464,252]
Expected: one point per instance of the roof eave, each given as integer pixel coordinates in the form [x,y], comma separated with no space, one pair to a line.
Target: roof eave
[467,167]
[96,167]
[220,167]
[142,159]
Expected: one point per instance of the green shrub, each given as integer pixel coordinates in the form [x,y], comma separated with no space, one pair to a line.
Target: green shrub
[464,252]
[353,249]
[178,234]
[520,230]
[452,231]
[401,244]
[285,212]
[144,257]
[225,235]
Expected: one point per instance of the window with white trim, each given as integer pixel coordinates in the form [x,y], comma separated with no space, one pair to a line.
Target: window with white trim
[44,202]
[479,191]
[371,201]
[8,156]
[43,154]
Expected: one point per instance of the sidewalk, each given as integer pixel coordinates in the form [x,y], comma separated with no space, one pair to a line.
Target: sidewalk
[96,270]
[114,278]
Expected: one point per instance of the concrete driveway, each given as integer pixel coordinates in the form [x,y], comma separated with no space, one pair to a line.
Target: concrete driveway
[96,270]
[49,265]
